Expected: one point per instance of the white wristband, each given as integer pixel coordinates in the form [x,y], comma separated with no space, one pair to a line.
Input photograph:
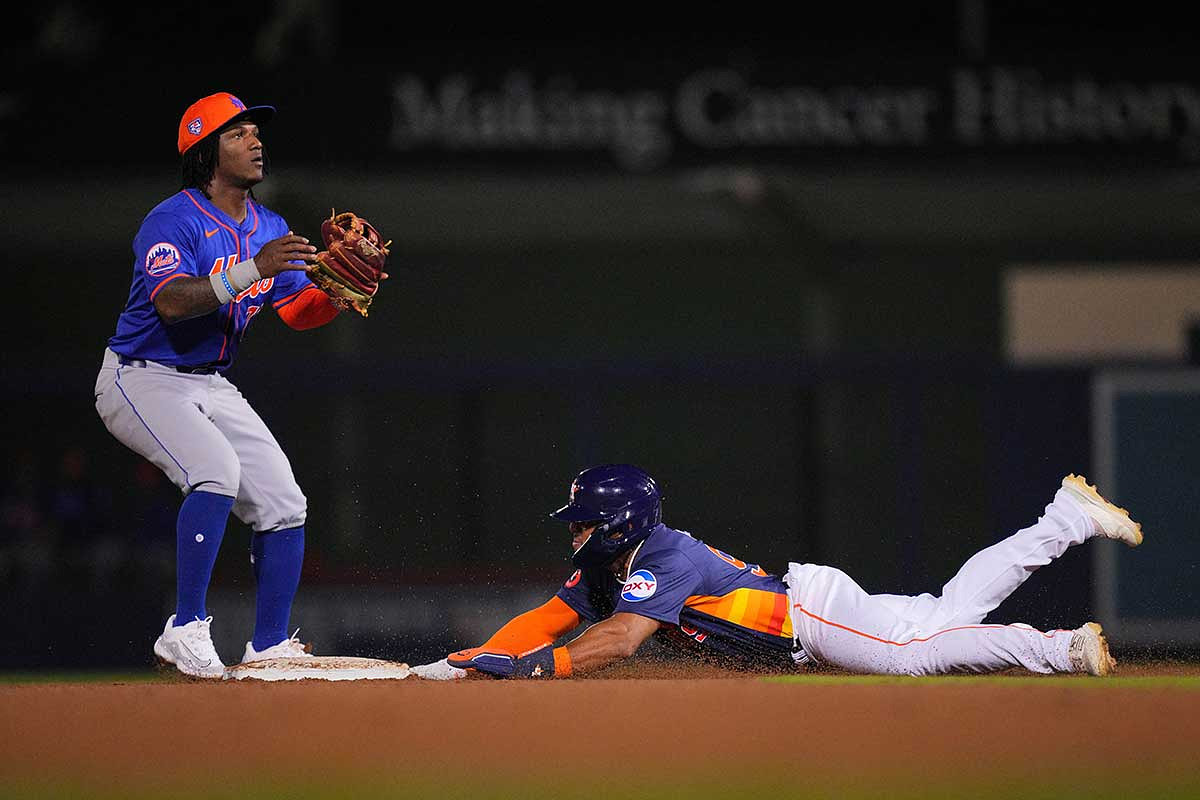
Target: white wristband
[244,275]
[235,280]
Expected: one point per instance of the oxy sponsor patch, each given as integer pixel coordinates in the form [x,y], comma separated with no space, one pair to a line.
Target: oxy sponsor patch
[161,259]
[639,586]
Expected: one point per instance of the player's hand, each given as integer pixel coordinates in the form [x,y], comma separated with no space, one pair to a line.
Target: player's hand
[501,663]
[438,671]
[279,255]
[494,661]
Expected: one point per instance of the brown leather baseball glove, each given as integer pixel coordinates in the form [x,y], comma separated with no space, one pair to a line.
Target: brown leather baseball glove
[350,267]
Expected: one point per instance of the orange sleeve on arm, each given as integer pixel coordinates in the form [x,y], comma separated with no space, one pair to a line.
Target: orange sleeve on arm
[540,626]
[308,308]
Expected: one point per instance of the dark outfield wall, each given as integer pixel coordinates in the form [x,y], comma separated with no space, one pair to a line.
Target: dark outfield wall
[766,268]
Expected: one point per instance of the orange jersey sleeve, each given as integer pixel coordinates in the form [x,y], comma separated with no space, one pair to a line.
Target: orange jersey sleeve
[540,626]
[308,308]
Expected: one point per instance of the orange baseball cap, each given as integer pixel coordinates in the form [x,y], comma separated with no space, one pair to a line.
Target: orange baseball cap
[209,114]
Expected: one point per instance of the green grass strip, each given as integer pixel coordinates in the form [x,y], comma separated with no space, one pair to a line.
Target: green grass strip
[148,676]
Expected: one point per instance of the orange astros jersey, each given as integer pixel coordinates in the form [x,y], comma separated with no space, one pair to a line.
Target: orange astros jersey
[710,602]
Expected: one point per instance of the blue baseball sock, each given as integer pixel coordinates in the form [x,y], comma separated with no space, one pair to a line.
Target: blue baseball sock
[278,556]
[199,530]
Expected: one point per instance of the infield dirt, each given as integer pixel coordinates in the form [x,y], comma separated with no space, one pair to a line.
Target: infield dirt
[682,726]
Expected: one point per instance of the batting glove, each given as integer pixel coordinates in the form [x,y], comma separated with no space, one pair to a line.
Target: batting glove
[501,663]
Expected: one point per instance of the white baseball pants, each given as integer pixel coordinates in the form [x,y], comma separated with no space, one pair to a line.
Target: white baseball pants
[838,623]
[203,434]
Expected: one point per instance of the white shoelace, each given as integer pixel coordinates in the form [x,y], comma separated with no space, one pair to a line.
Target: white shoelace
[291,646]
[294,643]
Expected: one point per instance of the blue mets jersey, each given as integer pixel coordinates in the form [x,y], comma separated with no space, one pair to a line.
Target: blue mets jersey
[711,602]
[186,235]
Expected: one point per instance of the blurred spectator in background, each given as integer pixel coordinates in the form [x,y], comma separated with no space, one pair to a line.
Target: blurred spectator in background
[79,508]
[154,506]
[27,550]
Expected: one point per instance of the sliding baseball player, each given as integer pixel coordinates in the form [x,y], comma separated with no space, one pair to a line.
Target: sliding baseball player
[636,577]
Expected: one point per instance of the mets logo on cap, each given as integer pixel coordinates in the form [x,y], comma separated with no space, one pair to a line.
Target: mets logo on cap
[209,114]
[639,586]
[161,259]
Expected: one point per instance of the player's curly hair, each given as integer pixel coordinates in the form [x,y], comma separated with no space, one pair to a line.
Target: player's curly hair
[199,164]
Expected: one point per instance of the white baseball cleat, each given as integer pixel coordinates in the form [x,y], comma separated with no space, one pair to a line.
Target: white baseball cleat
[1112,521]
[189,648]
[288,648]
[1088,651]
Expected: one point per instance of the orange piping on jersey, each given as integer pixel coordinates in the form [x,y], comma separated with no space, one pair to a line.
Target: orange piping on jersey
[225,335]
[253,211]
[164,282]
[807,613]
[754,609]
[237,243]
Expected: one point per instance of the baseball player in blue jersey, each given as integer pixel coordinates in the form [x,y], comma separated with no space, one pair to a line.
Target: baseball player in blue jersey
[206,261]
[636,578]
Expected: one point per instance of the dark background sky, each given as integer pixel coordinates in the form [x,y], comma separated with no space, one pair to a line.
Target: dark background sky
[805,344]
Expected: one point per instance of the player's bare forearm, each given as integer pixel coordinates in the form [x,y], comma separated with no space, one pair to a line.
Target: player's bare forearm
[604,643]
[185,298]
[609,641]
[188,297]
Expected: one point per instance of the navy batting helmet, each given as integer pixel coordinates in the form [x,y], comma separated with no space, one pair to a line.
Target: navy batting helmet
[625,502]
